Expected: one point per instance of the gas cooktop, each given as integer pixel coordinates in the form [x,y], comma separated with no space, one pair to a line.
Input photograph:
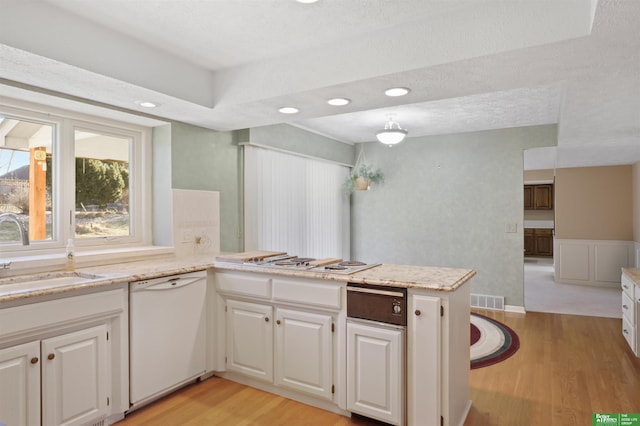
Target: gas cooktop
[334,266]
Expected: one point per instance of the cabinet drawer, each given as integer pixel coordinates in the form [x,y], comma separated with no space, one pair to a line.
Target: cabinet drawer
[628,286]
[629,333]
[628,308]
[323,294]
[249,285]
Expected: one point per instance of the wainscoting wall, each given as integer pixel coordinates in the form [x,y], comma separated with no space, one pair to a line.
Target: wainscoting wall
[593,262]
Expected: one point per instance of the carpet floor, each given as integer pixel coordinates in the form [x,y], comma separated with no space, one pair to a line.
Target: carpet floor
[543,294]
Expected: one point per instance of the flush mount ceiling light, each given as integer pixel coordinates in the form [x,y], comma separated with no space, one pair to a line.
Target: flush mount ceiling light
[306,1]
[339,101]
[147,104]
[392,133]
[396,91]
[289,110]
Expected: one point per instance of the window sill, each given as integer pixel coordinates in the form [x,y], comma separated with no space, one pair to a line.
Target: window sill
[57,261]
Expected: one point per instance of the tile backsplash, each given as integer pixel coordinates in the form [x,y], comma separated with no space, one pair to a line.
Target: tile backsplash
[196,222]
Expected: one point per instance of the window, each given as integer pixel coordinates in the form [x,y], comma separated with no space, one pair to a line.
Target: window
[102,185]
[63,178]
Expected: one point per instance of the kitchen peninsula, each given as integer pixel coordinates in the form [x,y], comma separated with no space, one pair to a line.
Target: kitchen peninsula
[286,330]
[281,330]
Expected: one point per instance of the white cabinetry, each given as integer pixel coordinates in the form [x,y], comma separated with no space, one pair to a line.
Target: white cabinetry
[74,377]
[20,385]
[630,304]
[280,331]
[375,371]
[65,361]
[304,352]
[250,339]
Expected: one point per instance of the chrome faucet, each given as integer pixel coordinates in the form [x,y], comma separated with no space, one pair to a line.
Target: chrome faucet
[24,232]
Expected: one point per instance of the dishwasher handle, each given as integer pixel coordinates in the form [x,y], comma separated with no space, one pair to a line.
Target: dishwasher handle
[167,283]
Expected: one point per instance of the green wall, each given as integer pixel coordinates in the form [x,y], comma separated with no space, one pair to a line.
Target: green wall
[447,201]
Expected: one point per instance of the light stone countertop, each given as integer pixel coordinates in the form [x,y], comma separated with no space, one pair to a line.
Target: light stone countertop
[13,289]
[633,273]
[406,276]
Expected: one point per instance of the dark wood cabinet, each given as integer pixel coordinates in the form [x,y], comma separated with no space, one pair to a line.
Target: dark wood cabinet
[529,242]
[538,197]
[538,242]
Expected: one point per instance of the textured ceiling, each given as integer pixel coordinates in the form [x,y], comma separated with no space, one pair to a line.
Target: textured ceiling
[229,64]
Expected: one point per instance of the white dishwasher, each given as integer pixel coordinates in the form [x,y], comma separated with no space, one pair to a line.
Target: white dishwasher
[167,332]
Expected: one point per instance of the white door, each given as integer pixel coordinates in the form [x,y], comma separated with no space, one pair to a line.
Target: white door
[375,369]
[74,377]
[424,359]
[20,385]
[250,339]
[304,352]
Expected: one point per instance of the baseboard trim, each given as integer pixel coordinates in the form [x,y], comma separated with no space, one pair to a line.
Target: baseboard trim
[515,308]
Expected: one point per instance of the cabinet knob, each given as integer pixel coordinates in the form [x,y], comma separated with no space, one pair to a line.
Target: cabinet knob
[51,356]
[625,306]
[266,319]
[278,322]
[34,360]
[418,312]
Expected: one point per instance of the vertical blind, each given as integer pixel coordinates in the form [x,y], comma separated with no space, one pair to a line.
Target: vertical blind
[295,204]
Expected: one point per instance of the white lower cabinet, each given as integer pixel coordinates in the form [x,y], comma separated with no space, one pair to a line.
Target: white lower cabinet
[64,377]
[74,377]
[250,339]
[375,371]
[631,313]
[64,361]
[280,331]
[304,352]
[20,385]
[300,357]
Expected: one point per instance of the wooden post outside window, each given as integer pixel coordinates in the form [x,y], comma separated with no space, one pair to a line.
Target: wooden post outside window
[37,194]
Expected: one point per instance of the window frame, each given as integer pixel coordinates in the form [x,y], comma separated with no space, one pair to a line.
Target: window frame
[65,123]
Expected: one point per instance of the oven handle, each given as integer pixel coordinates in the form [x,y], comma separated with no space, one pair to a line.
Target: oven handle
[375,291]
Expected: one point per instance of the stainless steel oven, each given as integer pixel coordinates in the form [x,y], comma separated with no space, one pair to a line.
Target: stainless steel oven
[376,355]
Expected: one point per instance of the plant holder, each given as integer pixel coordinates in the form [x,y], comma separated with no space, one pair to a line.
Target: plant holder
[361,184]
[362,176]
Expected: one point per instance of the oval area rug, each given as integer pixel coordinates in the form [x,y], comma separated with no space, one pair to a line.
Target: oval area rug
[491,341]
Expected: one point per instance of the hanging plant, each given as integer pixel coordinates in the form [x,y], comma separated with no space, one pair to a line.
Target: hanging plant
[363,175]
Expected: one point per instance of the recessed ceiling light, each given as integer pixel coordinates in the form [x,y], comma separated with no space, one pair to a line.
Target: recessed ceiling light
[339,101]
[289,110]
[306,1]
[396,91]
[147,104]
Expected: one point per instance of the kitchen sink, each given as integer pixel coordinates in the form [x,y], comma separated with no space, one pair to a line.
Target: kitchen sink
[47,280]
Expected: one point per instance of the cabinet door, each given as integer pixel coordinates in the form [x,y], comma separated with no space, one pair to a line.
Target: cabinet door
[543,197]
[528,197]
[20,385]
[250,339]
[304,352]
[375,368]
[424,357]
[529,242]
[74,377]
[544,242]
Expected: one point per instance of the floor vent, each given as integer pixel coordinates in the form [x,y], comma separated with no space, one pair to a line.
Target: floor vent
[102,422]
[485,301]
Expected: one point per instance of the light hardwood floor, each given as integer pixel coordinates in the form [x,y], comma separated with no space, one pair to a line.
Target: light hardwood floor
[567,368]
